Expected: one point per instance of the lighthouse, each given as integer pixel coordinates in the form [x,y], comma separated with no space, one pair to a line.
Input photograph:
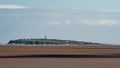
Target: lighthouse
[45,37]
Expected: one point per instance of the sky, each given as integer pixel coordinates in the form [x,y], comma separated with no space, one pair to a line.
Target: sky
[66,4]
[83,20]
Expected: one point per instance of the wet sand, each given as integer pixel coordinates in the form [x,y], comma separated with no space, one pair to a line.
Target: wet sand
[61,56]
[60,63]
[19,50]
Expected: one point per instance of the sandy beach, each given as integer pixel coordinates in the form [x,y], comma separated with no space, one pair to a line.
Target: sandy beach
[69,56]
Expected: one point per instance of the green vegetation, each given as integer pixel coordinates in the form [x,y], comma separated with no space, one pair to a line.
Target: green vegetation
[46,41]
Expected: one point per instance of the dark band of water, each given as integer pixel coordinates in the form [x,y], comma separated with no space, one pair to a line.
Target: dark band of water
[62,56]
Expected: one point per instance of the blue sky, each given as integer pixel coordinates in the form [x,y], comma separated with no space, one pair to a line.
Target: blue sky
[84,20]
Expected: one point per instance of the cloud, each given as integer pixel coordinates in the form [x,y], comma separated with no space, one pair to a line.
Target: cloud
[56,22]
[5,6]
[65,22]
[64,17]
[114,11]
[100,22]
[108,22]
[76,17]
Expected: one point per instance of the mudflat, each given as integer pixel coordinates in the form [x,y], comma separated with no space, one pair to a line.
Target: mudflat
[18,50]
[59,56]
[60,63]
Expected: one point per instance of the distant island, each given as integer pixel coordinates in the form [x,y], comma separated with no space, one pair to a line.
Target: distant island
[47,41]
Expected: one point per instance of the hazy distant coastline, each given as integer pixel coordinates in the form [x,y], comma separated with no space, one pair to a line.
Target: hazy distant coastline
[50,41]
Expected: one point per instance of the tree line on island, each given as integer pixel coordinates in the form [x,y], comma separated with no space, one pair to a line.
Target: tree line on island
[47,41]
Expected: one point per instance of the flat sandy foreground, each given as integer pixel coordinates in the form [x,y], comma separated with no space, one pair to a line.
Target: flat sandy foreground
[59,56]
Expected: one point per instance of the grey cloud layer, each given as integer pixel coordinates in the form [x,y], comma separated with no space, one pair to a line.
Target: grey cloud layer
[64,17]
[84,17]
